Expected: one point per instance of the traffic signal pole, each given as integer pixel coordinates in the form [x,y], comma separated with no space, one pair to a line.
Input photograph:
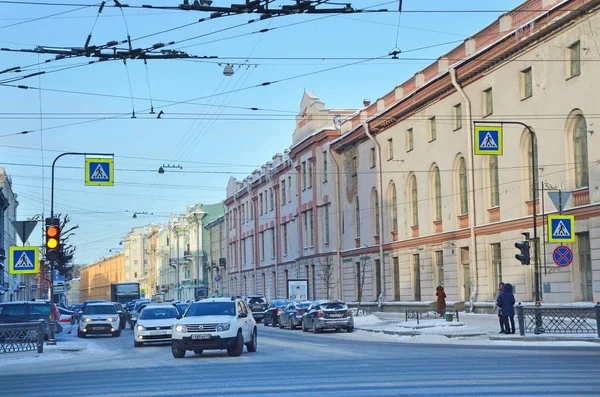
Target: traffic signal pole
[534,187]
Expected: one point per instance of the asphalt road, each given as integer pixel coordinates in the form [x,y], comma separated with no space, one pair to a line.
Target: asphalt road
[296,363]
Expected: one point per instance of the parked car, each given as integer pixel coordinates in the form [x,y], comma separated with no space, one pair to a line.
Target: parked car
[258,305]
[328,314]
[133,314]
[155,324]
[66,319]
[273,310]
[23,312]
[291,315]
[122,314]
[99,318]
[219,323]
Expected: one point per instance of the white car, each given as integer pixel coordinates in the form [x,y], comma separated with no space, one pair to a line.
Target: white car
[154,324]
[215,324]
[99,318]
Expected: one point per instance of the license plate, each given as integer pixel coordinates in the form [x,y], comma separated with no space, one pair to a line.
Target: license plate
[201,336]
[335,315]
[159,332]
[97,328]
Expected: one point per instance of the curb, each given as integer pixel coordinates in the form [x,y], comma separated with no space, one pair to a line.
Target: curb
[542,339]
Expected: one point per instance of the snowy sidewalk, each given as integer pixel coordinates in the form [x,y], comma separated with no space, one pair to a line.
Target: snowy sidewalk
[67,346]
[472,328]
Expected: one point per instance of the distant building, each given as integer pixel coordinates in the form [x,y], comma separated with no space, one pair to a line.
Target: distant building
[216,259]
[95,279]
[73,291]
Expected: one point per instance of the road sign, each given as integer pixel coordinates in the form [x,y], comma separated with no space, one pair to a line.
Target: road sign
[24,260]
[99,172]
[218,278]
[24,229]
[561,228]
[562,255]
[488,140]
[559,199]
[59,280]
[60,289]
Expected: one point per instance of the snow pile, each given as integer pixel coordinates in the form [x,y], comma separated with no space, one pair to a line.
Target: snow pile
[364,321]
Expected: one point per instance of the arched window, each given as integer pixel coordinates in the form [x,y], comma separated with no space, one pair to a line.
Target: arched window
[530,156]
[414,200]
[393,208]
[494,185]
[580,151]
[462,185]
[357,216]
[437,193]
[375,213]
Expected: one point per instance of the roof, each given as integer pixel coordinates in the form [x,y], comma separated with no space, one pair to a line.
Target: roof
[211,300]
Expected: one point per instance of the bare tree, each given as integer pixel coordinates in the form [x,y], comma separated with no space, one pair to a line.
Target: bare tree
[64,263]
[325,270]
[363,267]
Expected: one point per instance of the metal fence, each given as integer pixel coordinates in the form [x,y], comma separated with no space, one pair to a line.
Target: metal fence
[559,320]
[428,314]
[22,337]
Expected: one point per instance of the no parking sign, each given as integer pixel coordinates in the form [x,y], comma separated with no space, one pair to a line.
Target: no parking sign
[562,256]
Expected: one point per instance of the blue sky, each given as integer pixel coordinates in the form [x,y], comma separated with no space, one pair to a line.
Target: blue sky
[210,141]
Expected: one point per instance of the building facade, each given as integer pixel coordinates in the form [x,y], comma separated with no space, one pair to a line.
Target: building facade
[181,252]
[95,279]
[216,259]
[139,257]
[74,291]
[413,205]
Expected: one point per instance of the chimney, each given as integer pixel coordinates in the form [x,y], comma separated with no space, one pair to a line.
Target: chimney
[366,102]
[264,169]
[277,158]
[255,174]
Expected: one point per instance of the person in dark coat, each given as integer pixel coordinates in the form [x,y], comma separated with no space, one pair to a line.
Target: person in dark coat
[441,300]
[497,309]
[506,303]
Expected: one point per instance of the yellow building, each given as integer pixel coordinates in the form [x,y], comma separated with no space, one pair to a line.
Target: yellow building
[96,278]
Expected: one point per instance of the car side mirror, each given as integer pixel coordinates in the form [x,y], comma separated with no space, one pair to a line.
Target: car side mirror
[243,315]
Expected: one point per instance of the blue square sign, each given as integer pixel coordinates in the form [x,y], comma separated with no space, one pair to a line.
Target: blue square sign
[23,260]
[99,172]
[488,140]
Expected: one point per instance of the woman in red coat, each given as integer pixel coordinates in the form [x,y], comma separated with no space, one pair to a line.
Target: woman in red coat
[441,300]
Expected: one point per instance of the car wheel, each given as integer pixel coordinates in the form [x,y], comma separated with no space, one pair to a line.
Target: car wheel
[137,344]
[292,326]
[314,329]
[280,323]
[265,322]
[177,353]
[80,334]
[236,350]
[253,344]
[198,351]
[350,329]
[116,334]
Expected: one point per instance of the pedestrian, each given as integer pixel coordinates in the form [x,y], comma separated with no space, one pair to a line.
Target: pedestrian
[506,303]
[441,300]
[497,308]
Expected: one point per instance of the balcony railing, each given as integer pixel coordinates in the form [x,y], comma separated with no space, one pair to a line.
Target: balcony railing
[581,197]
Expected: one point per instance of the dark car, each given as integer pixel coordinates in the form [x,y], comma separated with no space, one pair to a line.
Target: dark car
[181,307]
[122,314]
[291,315]
[135,312]
[258,305]
[23,312]
[273,310]
[328,314]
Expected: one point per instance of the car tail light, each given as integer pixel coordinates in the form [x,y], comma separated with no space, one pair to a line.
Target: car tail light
[277,311]
[56,313]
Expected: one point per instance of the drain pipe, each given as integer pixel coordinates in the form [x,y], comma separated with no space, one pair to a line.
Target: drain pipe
[473,218]
[338,256]
[380,216]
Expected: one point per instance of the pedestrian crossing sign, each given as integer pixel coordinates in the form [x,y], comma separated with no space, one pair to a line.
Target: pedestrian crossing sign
[23,260]
[488,140]
[561,228]
[99,172]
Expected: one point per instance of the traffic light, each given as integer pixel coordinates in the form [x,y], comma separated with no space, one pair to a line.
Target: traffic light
[523,246]
[53,246]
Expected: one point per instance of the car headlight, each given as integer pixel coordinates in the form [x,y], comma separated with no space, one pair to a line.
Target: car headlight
[223,327]
[87,319]
[141,328]
[180,328]
[112,319]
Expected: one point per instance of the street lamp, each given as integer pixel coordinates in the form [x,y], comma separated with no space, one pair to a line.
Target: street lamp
[135,214]
[161,169]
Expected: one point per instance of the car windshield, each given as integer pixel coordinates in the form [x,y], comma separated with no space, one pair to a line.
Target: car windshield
[181,307]
[104,309]
[256,300]
[158,313]
[334,306]
[281,303]
[211,309]
[138,304]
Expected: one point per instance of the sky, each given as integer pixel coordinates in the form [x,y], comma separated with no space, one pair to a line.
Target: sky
[88,108]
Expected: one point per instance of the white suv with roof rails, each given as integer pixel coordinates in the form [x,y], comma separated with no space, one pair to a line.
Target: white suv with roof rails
[215,324]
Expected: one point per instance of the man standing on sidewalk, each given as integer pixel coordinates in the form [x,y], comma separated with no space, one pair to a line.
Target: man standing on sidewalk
[497,309]
[506,302]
